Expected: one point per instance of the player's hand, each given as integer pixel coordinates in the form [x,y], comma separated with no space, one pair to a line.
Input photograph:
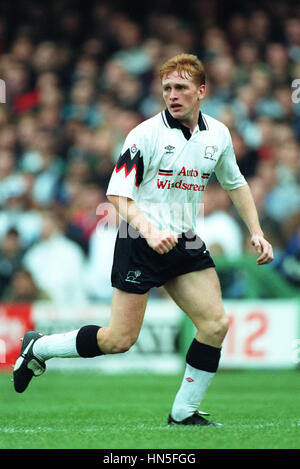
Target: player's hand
[162,241]
[264,248]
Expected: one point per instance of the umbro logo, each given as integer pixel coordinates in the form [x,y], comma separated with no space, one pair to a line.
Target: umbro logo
[170,149]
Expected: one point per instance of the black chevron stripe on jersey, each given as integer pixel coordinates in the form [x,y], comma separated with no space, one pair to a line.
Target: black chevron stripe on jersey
[136,163]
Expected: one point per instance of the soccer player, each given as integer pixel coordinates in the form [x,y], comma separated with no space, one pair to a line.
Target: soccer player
[156,187]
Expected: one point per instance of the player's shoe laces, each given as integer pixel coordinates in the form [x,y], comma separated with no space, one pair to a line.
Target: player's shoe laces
[194,419]
[27,364]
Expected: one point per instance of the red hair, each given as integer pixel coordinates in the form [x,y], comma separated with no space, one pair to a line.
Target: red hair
[184,64]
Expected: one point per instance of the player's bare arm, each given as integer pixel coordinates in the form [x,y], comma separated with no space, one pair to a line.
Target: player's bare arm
[244,203]
[162,241]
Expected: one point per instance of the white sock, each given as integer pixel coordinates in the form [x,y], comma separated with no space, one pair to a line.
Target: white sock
[192,390]
[56,345]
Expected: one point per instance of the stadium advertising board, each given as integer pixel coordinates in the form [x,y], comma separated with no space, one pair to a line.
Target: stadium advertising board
[262,334]
[15,320]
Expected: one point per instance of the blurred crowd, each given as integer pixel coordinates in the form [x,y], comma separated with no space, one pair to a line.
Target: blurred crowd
[79,79]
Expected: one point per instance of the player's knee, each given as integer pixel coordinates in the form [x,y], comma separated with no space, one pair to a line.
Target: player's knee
[220,327]
[215,328]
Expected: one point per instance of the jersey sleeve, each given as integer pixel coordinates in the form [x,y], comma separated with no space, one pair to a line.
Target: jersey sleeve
[227,171]
[130,167]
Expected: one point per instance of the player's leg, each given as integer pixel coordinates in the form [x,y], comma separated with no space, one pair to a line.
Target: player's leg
[126,320]
[198,294]
[89,341]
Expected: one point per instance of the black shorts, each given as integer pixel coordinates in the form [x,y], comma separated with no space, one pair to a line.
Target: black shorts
[137,267]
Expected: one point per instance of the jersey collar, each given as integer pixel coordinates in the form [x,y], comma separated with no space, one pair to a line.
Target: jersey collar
[173,123]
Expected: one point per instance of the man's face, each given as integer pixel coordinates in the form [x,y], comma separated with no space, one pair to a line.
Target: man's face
[181,95]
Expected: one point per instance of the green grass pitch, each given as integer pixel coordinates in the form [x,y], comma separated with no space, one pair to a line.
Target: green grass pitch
[259,410]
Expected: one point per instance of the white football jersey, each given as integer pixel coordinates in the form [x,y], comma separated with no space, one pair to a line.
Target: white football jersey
[165,169]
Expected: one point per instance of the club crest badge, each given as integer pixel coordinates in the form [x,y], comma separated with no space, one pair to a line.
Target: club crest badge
[210,152]
[133,275]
